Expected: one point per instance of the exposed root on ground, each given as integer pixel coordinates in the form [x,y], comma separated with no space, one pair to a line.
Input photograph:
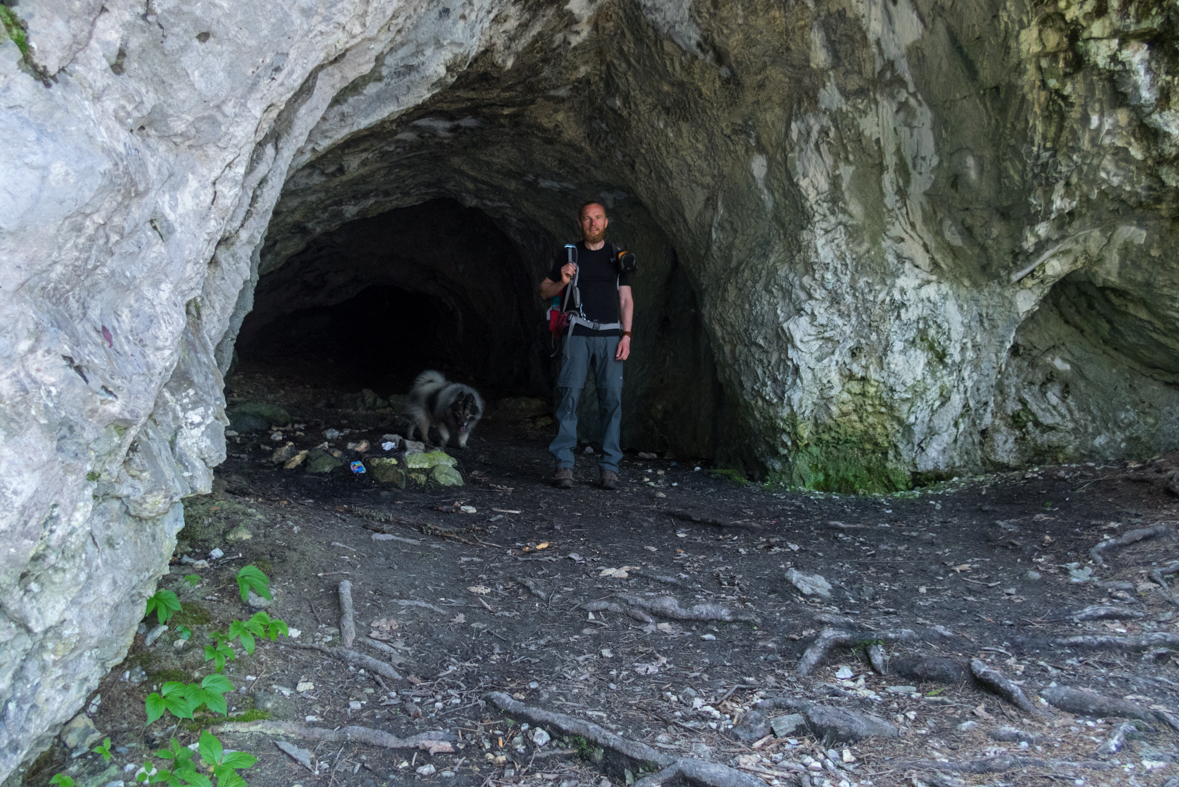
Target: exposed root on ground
[686,516]
[1114,743]
[829,639]
[1090,703]
[356,659]
[434,742]
[611,606]
[1159,574]
[669,607]
[1094,642]
[994,681]
[1001,763]
[637,755]
[1106,612]
[1127,538]
[347,615]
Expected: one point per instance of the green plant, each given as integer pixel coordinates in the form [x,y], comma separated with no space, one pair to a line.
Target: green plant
[252,578]
[104,749]
[164,603]
[184,631]
[225,765]
[16,31]
[182,700]
[192,579]
[61,780]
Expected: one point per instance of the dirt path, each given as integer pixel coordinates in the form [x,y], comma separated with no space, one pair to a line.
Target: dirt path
[663,614]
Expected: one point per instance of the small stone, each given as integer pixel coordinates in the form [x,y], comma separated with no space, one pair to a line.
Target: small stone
[427,461]
[239,533]
[284,454]
[257,602]
[966,726]
[467,509]
[540,737]
[295,460]
[331,434]
[902,689]
[426,770]
[355,705]
[136,675]
[809,584]
[153,635]
[845,673]
[359,447]
[79,733]
[216,553]
[388,445]
[784,725]
[1033,576]
[276,437]
[445,475]
[304,685]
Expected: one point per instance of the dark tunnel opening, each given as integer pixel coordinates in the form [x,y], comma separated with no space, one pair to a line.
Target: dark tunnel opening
[374,302]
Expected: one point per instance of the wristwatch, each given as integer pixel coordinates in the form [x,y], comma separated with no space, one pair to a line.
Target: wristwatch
[626,333]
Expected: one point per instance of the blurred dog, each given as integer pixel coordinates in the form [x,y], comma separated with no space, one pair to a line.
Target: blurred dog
[452,407]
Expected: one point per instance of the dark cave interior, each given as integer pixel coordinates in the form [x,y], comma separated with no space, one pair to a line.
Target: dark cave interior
[373,303]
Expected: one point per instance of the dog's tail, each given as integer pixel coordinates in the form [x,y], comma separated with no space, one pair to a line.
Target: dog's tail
[429,380]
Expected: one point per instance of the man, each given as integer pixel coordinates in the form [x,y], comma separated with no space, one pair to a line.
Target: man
[605,299]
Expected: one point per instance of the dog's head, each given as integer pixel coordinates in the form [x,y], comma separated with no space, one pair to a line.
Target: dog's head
[465,410]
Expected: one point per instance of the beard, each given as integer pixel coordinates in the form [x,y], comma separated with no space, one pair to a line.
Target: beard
[593,237]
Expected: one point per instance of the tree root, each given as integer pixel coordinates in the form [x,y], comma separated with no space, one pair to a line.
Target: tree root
[1090,703]
[669,607]
[686,516]
[637,755]
[832,638]
[1092,642]
[1127,538]
[999,764]
[347,615]
[610,606]
[994,681]
[1126,729]
[356,659]
[1106,612]
[435,742]
[1158,576]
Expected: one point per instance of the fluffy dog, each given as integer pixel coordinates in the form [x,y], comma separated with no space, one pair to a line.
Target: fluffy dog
[452,407]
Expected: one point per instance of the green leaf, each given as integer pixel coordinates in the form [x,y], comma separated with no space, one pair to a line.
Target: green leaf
[104,749]
[210,748]
[174,687]
[239,759]
[278,627]
[165,603]
[227,777]
[217,683]
[215,702]
[156,706]
[252,578]
[62,780]
[192,579]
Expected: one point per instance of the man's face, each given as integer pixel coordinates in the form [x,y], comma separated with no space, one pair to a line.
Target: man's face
[593,223]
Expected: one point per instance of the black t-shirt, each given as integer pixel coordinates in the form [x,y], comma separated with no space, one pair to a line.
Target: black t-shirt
[598,282]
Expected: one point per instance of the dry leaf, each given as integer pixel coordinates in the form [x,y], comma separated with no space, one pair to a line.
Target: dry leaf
[459,618]
[963,567]
[618,573]
[479,590]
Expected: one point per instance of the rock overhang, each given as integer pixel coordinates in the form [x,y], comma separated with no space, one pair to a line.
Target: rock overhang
[940,240]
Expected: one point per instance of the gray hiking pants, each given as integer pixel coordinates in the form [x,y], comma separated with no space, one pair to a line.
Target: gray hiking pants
[576,356]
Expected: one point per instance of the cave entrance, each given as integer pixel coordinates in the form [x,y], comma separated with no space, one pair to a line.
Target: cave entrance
[377,300]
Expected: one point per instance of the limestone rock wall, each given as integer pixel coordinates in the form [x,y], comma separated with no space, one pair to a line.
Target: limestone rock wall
[919,239]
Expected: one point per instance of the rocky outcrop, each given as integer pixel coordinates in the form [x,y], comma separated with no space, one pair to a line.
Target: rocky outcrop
[881,240]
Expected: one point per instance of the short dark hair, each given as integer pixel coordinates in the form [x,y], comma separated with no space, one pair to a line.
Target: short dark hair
[585,205]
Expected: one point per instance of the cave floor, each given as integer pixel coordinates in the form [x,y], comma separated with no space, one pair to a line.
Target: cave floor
[498,603]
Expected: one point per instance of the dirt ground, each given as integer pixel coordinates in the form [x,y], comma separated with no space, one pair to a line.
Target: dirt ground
[579,602]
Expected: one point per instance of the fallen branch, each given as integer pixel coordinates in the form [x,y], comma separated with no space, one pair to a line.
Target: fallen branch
[381,646]
[993,680]
[999,764]
[831,638]
[638,755]
[1127,538]
[301,756]
[354,658]
[669,607]
[347,615]
[435,742]
[686,516]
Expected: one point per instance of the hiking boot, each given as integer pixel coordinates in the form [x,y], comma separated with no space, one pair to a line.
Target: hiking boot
[609,480]
[563,478]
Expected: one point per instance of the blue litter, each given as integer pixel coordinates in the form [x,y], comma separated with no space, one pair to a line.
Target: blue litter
[357,467]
